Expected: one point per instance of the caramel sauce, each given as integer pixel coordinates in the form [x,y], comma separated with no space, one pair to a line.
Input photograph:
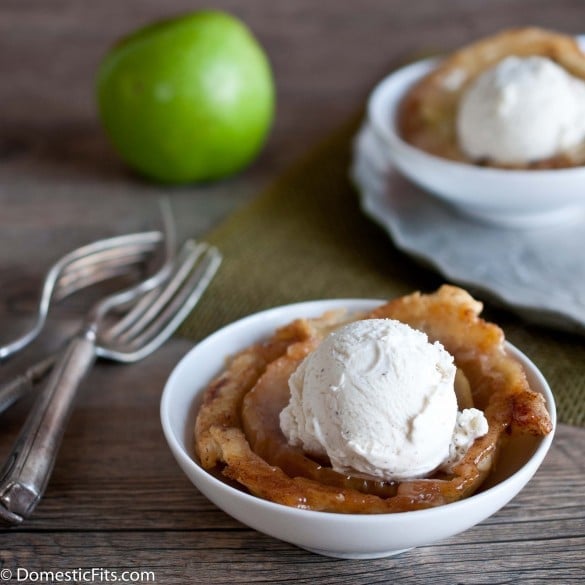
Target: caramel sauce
[260,417]
[261,423]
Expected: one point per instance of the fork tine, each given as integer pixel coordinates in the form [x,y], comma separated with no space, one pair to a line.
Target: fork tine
[127,252]
[80,277]
[155,331]
[152,302]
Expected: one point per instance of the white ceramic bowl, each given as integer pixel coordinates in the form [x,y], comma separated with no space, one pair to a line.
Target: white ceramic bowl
[499,196]
[336,535]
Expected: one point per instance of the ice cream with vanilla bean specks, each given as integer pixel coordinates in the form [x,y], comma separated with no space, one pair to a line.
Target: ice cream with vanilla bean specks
[378,399]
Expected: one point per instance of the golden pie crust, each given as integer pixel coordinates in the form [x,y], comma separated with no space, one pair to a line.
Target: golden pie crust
[426,118]
[237,433]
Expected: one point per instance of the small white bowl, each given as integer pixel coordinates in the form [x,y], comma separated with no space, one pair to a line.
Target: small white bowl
[353,536]
[497,196]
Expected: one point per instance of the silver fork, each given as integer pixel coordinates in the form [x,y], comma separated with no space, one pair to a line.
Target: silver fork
[164,300]
[94,263]
[84,267]
[19,386]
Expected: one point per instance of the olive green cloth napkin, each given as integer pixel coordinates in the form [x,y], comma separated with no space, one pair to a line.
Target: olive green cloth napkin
[306,238]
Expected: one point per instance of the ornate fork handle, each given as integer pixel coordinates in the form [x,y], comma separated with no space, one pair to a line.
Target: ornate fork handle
[24,383]
[29,466]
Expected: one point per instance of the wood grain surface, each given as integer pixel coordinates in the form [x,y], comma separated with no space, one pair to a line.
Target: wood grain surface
[117,500]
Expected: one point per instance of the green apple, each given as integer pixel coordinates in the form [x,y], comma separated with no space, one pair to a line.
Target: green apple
[189,99]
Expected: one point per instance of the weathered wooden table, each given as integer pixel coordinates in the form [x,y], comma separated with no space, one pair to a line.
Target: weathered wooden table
[117,501]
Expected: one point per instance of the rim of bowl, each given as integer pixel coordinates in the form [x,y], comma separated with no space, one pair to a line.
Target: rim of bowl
[382,117]
[352,304]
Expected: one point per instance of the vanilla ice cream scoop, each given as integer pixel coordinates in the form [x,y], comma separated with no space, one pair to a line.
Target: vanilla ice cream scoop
[522,110]
[378,400]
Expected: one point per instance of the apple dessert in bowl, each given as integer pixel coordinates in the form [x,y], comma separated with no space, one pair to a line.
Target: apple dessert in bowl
[497,129]
[356,428]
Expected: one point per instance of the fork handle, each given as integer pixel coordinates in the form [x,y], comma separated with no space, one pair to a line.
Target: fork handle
[24,383]
[26,473]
